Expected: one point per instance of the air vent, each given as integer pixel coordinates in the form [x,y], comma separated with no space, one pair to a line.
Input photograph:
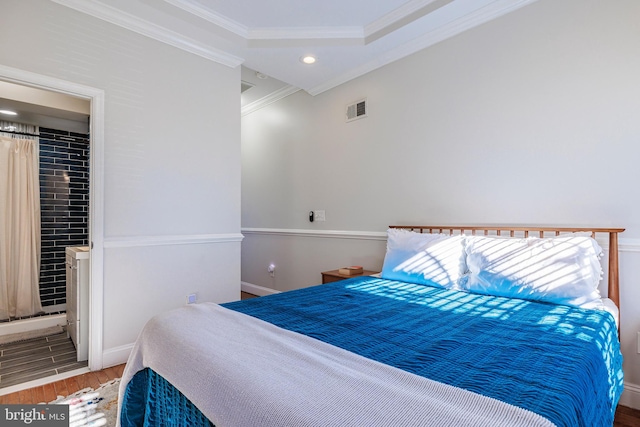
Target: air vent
[245,86]
[357,110]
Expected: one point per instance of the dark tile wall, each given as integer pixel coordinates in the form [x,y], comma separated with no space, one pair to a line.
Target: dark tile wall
[64,205]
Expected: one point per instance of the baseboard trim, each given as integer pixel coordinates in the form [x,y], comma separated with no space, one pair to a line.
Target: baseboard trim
[116,355]
[630,396]
[256,289]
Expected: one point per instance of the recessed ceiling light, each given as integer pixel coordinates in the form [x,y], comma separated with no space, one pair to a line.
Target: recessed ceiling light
[308,59]
[8,112]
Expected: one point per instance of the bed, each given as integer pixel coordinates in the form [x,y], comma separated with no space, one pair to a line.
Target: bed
[475,326]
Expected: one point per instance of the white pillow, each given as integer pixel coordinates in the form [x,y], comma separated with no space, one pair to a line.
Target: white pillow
[563,270]
[424,258]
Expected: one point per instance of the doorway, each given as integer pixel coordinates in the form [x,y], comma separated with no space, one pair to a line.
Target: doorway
[95,97]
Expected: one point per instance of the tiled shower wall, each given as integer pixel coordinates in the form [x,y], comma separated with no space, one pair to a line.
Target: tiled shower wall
[64,205]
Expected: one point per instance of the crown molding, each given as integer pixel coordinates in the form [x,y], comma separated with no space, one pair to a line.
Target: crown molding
[410,11]
[141,26]
[398,14]
[361,35]
[211,16]
[281,37]
[400,17]
[269,99]
[485,14]
[269,33]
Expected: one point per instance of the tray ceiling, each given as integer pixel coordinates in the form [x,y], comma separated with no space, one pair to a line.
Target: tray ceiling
[348,37]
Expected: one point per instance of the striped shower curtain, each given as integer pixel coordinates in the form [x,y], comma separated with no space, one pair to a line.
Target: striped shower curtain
[19,227]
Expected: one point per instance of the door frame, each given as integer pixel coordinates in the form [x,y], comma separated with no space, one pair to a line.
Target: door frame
[96,192]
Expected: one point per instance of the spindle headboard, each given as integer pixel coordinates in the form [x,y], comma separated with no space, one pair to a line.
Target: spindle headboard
[523,231]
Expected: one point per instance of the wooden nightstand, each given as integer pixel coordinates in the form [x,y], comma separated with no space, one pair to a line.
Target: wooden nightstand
[334,276]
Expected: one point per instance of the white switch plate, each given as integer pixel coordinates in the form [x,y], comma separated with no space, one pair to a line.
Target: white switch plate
[319,216]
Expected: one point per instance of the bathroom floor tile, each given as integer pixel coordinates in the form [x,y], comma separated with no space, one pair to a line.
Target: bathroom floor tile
[37,358]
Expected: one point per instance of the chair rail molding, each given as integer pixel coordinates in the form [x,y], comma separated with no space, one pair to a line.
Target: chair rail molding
[336,234]
[624,244]
[188,239]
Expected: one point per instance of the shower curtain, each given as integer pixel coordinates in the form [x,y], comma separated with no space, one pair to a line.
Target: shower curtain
[19,227]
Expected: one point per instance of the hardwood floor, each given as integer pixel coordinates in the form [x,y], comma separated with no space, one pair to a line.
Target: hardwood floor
[626,417]
[247,295]
[49,392]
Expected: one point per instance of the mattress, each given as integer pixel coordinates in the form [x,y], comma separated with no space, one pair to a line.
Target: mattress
[559,362]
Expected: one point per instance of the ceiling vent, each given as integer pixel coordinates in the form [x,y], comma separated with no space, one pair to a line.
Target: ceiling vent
[245,86]
[357,110]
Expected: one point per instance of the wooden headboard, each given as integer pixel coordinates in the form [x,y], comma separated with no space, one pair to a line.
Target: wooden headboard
[499,230]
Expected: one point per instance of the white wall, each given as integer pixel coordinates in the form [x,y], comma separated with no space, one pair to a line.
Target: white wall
[171,159]
[529,119]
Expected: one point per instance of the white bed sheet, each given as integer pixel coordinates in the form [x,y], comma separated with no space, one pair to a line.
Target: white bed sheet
[612,308]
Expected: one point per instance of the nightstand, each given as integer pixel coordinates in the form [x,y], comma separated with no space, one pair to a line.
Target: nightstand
[334,276]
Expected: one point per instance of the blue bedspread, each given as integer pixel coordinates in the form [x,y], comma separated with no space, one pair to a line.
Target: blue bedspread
[560,362]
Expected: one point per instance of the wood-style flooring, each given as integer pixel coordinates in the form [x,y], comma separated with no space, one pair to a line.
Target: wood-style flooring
[50,392]
[246,295]
[626,417]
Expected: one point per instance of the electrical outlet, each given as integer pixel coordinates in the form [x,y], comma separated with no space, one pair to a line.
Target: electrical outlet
[272,270]
[191,299]
[319,215]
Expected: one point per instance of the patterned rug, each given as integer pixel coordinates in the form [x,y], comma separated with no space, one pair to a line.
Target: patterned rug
[93,408]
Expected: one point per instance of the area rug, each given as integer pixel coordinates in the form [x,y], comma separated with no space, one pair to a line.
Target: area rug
[93,408]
